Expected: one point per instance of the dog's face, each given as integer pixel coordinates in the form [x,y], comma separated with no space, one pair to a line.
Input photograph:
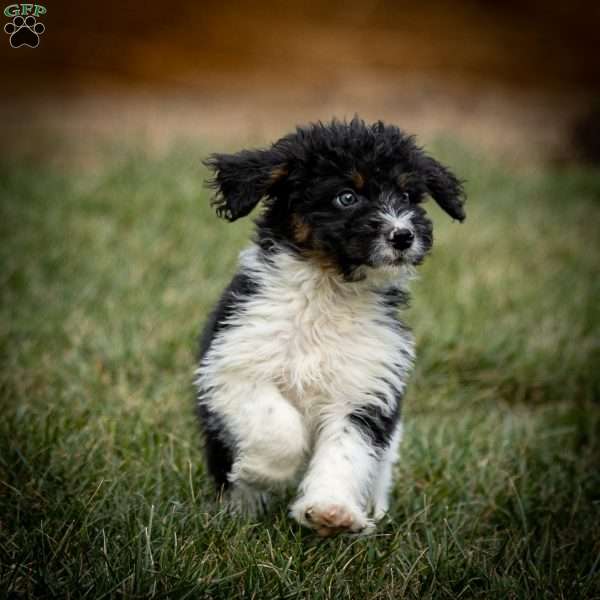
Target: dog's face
[347,195]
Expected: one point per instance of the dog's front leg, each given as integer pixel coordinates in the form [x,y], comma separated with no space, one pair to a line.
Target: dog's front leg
[335,491]
[266,437]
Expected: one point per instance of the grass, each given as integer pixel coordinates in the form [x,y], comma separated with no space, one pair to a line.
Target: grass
[106,276]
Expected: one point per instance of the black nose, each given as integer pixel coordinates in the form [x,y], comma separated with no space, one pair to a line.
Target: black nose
[401,239]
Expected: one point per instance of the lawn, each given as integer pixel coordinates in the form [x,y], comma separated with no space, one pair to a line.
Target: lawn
[107,274]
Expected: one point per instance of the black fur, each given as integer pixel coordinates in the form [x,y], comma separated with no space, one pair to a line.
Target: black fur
[218,444]
[376,424]
[241,287]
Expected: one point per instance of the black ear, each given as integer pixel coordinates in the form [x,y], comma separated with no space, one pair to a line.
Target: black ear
[443,186]
[242,179]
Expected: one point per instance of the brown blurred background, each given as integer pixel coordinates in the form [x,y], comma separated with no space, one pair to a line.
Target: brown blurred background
[521,78]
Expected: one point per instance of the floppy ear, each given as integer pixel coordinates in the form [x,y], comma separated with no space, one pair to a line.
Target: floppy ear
[242,179]
[443,187]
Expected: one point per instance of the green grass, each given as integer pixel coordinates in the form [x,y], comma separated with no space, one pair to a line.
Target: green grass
[107,275]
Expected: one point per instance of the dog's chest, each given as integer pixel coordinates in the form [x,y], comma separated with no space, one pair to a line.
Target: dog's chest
[321,333]
[317,337]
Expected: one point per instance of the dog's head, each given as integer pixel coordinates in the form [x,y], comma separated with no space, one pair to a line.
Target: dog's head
[345,194]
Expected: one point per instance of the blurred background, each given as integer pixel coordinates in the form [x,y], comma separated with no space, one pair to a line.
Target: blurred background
[111,257]
[519,78]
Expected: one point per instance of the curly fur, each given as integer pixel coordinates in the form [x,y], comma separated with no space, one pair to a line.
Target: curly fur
[304,361]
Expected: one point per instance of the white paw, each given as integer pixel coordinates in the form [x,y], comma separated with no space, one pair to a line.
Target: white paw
[379,513]
[329,518]
[380,510]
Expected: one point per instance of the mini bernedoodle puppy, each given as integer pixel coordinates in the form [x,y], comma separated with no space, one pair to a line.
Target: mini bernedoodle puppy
[304,361]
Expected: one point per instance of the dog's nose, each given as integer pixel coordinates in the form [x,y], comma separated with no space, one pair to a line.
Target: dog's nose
[401,239]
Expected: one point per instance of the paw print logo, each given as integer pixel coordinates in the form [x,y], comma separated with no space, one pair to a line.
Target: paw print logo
[24,32]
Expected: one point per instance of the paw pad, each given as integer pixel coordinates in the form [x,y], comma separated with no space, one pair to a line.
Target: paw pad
[332,520]
[24,32]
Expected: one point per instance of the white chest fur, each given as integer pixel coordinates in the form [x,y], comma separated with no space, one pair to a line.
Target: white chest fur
[320,339]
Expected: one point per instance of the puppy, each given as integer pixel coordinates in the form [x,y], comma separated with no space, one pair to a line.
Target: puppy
[304,361]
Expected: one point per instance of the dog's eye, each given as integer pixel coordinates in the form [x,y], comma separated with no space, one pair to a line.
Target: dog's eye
[345,199]
[405,196]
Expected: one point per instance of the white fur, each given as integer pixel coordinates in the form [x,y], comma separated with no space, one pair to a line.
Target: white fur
[383,484]
[395,220]
[305,352]
[392,221]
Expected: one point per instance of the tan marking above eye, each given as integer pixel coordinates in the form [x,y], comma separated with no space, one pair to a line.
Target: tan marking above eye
[358,179]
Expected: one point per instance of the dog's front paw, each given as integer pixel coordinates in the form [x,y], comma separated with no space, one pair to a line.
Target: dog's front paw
[329,517]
